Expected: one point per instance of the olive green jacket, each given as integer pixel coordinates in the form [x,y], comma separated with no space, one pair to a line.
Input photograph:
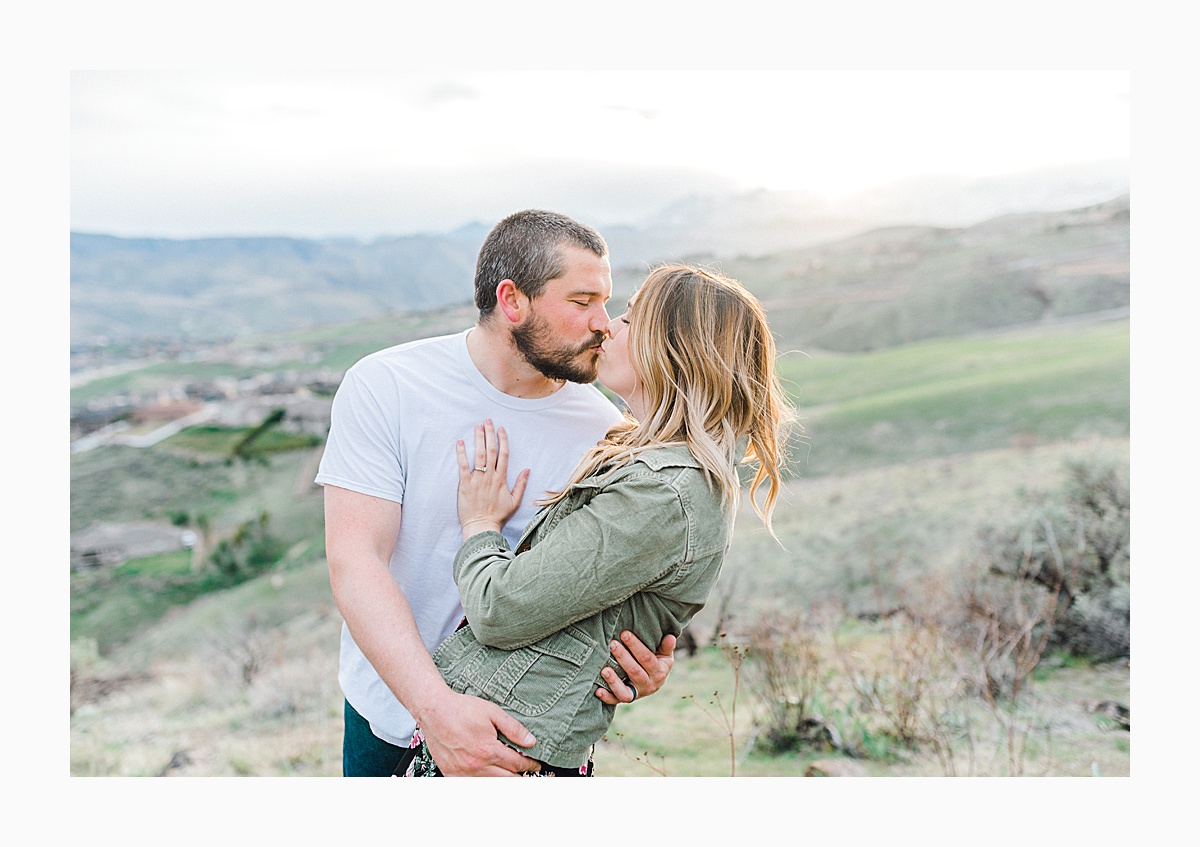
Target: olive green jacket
[639,550]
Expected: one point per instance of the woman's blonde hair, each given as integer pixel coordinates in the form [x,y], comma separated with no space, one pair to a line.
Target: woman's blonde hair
[704,358]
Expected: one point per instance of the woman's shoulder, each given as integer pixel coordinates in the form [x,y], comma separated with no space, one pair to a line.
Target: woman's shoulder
[695,498]
[675,468]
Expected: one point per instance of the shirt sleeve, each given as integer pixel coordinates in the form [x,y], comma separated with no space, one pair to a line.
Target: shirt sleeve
[362,452]
[629,537]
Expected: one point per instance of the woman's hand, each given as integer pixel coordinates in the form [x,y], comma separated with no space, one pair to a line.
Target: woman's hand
[484,499]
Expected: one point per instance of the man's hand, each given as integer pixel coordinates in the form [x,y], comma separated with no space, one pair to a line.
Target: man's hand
[461,733]
[647,671]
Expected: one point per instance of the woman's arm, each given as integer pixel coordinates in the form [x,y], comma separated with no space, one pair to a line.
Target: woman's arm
[628,537]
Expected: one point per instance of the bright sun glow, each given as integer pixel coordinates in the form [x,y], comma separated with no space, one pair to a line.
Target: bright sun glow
[149,146]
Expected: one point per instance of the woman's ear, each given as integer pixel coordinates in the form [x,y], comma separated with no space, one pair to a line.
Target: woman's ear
[512,302]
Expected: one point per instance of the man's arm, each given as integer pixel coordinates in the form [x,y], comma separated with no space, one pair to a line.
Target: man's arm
[360,533]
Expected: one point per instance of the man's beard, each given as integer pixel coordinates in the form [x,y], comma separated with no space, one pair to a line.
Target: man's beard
[532,341]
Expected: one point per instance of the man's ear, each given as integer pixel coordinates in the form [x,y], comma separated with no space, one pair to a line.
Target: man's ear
[512,302]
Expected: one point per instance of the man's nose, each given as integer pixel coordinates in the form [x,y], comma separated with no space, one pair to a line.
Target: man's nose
[600,322]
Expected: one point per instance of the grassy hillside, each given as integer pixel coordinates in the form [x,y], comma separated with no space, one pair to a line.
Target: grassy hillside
[895,286]
[938,398]
[124,484]
[211,495]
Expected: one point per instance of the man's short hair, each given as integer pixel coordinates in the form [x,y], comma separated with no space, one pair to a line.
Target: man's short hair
[525,247]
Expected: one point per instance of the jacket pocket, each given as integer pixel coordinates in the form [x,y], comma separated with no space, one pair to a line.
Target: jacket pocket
[530,680]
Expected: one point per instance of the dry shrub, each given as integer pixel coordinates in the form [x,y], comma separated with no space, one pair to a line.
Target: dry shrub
[1097,625]
[1070,549]
[245,650]
[1003,630]
[783,672]
[902,688]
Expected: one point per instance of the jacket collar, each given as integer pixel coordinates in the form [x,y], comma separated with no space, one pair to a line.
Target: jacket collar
[668,457]
[656,459]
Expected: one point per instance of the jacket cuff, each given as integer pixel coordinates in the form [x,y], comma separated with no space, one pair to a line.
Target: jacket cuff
[488,540]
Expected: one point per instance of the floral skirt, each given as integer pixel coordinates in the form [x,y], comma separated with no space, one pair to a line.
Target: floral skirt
[417,761]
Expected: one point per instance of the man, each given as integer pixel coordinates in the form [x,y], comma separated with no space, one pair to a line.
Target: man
[541,284]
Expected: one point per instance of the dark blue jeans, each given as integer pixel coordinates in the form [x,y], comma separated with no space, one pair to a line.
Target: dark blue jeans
[363,752]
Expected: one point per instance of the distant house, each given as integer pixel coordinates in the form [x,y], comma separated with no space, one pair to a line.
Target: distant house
[166,411]
[113,543]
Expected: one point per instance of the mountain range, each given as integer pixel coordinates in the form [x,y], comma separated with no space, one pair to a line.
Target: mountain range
[127,289]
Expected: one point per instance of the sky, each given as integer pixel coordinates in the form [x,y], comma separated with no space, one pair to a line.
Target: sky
[364,154]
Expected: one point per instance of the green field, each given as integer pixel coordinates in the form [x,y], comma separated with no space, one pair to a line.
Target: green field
[224,441]
[939,398]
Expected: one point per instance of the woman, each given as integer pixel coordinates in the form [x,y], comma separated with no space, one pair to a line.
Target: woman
[636,538]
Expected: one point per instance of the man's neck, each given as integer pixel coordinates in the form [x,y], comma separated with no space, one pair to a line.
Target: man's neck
[497,358]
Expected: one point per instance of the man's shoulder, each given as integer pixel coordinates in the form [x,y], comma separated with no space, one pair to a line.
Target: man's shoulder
[409,354]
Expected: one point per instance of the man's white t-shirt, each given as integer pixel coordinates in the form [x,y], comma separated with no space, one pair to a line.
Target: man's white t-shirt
[395,420]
